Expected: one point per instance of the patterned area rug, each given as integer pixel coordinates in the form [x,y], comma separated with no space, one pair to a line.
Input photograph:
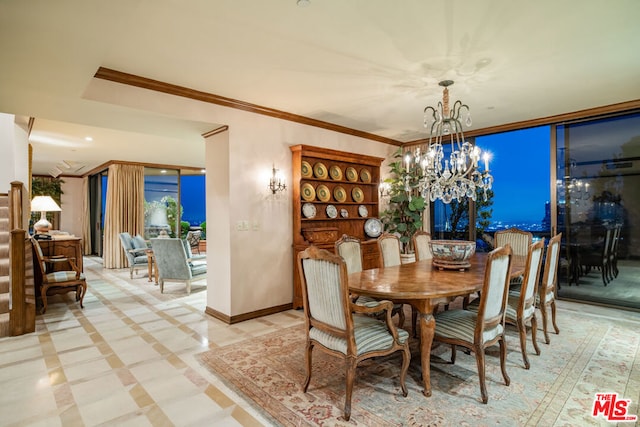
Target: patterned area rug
[592,354]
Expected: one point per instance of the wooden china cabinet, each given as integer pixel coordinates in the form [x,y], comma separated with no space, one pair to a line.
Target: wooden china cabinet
[334,193]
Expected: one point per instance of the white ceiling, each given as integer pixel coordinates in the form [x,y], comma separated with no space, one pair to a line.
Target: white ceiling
[370,65]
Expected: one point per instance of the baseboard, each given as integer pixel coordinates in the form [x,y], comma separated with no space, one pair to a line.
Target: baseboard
[246,316]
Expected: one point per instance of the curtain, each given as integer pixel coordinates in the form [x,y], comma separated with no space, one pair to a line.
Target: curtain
[124,211]
[86,219]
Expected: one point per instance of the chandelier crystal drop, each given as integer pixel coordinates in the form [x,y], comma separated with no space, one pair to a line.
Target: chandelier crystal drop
[456,174]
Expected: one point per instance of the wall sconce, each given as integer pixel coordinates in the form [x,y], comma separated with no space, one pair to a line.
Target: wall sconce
[277,182]
[384,188]
[43,204]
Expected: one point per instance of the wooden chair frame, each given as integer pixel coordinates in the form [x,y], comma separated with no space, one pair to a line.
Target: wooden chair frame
[348,309]
[547,290]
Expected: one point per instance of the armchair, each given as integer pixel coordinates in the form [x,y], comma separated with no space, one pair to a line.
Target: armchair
[135,249]
[341,328]
[59,281]
[173,263]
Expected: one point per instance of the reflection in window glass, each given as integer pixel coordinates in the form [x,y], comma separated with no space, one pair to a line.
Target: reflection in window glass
[161,206]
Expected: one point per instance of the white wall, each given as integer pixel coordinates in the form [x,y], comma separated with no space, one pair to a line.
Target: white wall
[248,270]
[14,153]
[71,203]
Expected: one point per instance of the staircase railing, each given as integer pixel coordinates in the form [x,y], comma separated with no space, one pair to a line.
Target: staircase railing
[22,303]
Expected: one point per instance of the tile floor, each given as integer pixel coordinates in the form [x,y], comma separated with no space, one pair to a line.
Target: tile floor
[126,359]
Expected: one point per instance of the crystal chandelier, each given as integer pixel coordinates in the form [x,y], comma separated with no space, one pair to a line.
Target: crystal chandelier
[456,175]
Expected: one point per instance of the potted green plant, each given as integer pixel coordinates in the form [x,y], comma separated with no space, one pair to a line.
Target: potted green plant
[403,215]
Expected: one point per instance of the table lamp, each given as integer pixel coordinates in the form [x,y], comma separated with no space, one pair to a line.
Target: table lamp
[43,204]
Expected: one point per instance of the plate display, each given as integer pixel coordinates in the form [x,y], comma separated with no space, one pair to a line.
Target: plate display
[373,227]
[344,213]
[307,172]
[357,194]
[363,211]
[352,174]
[340,194]
[308,210]
[335,172]
[320,170]
[365,176]
[307,192]
[323,193]
[332,212]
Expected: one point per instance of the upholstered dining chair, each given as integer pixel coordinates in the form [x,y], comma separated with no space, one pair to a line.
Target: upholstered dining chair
[173,264]
[477,330]
[600,257]
[389,248]
[59,281]
[349,249]
[519,240]
[341,328]
[135,248]
[521,303]
[546,297]
[420,240]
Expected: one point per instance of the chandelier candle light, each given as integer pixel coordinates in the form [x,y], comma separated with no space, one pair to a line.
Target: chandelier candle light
[457,176]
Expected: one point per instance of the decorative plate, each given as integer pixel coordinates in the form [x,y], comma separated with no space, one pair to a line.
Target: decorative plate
[340,194]
[320,171]
[308,210]
[335,172]
[363,211]
[332,212]
[307,172]
[352,174]
[323,193]
[365,176]
[307,192]
[357,194]
[344,213]
[373,227]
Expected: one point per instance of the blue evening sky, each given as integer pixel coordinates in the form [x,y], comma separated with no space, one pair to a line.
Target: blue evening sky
[520,167]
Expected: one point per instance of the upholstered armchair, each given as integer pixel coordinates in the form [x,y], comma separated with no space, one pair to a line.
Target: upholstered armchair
[59,281]
[173,263]
[341,328]
[135,249]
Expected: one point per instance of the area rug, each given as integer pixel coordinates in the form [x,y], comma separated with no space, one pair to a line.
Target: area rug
[592,354]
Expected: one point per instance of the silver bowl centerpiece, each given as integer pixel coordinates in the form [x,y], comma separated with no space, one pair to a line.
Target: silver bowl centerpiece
[452,254]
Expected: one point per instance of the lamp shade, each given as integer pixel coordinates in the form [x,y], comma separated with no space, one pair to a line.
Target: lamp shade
[44,204]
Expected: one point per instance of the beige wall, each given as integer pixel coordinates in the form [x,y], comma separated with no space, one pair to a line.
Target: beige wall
[248,270]
[14,152]
[71,206]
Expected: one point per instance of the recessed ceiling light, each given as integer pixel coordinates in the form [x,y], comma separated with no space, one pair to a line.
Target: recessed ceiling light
[163,171]
[203,171]
[303,3]
[88,138]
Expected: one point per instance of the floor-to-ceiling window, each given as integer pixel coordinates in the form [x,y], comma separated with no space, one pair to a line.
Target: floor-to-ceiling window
[598,192]
[162,209]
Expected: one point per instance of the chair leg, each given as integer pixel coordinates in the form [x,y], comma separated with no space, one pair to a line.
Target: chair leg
[522,331]
[351,375]
[188,287]
[130,272]
[503,361]
[43,296]
[161,286]
[414,322]
[543,311]
[481,373]
[453,354]
[401,316]
[308,360]
[406,359]
[534,333]
[553,316]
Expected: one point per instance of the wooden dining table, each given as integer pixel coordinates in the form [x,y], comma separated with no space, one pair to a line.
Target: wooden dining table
[423,286]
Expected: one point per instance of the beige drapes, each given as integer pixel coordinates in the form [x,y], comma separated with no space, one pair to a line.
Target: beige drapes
[86,219]
[124,211]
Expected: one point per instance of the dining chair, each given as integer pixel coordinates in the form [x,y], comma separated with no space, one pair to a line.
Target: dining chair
[599,257]
[59,281]
[546,297]
[477,330]
[341,328]
[420,241]
[521,302]
[519,240]
[349,249]
[389,249]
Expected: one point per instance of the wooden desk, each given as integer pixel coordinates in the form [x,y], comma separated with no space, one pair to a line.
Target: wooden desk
[421,285]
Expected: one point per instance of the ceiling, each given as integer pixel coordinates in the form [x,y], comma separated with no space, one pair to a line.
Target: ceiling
[368,65]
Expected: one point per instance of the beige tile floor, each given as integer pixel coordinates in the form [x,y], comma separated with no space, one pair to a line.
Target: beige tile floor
[126,359]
